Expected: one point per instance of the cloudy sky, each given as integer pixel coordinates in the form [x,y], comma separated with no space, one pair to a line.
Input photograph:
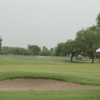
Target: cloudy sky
[44,22]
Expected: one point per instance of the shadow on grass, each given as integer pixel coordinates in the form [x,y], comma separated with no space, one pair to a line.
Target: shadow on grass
[80,62]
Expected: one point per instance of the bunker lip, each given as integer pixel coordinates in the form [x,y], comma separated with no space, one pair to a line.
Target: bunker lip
[41,84]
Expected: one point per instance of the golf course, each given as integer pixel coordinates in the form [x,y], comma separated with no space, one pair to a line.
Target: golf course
[48,78]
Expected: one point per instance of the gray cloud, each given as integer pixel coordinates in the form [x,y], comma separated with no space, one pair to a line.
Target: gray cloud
[44,22]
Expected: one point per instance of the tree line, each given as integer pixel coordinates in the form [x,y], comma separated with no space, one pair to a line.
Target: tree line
[31,50]
[85,43]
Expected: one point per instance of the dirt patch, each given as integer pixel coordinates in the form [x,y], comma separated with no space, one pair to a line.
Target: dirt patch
[41,84]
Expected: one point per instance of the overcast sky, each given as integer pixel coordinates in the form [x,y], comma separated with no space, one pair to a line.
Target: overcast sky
[44,22]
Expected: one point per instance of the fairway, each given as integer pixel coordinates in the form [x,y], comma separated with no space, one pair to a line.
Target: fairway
[78,72]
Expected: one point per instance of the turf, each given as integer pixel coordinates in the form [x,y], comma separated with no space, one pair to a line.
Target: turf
[78,72]
[51,95]
[57,68]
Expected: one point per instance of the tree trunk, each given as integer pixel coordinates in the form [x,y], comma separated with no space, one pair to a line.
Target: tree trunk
[92,58]
[72,57]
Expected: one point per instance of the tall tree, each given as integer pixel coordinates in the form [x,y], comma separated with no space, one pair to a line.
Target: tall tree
[58,49]
[86,39]
[69,48]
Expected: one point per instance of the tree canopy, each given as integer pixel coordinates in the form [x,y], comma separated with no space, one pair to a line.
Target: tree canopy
[87,39]
[98,20]
[69,48]
[16,51]
[58,49]
[34,48]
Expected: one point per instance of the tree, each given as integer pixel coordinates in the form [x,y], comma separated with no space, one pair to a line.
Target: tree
[86,39]
[69,48]
[16,51]
[52,49]
[58,49]
[34,48]
[0,43]
[46,52]
[98,20]
[45,48]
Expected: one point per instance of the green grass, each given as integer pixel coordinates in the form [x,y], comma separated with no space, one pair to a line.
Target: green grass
[56,68]
[51,95]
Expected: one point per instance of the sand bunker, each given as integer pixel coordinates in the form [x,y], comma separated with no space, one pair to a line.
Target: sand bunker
[41,84]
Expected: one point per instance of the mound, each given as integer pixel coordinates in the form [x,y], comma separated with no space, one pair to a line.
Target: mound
[41,84]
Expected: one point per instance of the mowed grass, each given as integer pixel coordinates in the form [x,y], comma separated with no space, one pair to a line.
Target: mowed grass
[56,68]
[78,72]
[51,95]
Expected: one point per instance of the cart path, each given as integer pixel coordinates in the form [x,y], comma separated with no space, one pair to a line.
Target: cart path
[41,84]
